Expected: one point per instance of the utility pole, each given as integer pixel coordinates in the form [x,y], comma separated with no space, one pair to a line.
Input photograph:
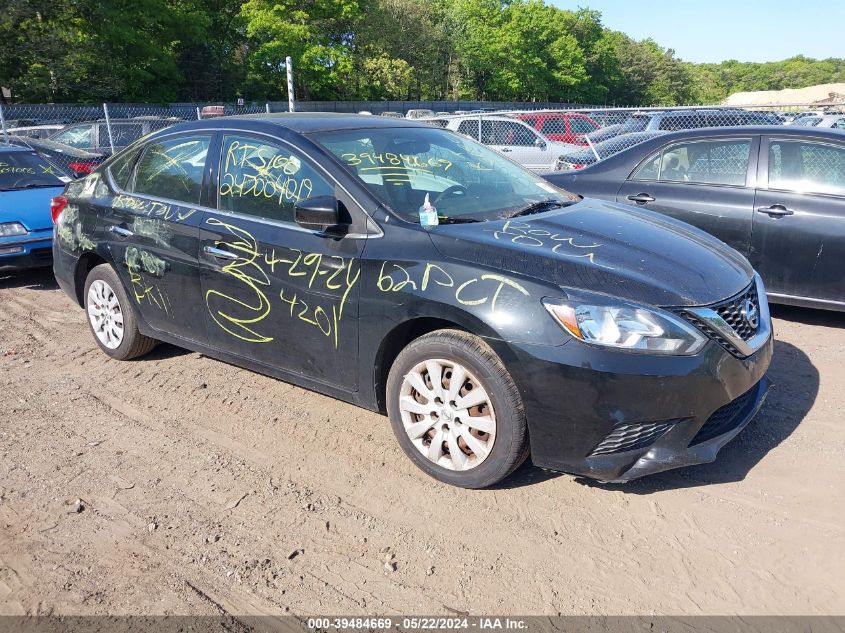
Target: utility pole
[291,103]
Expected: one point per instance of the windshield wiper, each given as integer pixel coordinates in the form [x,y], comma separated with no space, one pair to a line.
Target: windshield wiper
[536,207]
[458,220]
[33,186]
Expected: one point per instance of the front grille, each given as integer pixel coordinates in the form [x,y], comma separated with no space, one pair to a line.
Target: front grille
[712,333]
[733,312]
[726,418]
[628,437]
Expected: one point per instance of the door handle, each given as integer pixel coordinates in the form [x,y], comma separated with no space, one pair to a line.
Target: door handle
[121,231]
[219,253]
[505,149]
[776,211]
[641,198]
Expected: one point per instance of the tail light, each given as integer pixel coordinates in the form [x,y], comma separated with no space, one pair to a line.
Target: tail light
[82,168]
[57,205]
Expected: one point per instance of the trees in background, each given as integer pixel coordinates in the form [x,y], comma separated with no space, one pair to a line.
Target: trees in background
[200,50]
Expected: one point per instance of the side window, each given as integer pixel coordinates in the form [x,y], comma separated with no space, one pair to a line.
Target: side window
[122,133]
[173,169]
[512,133]
[553,126]
[265,180]
[650,169]
[708,162]
[121,169]
[806,166]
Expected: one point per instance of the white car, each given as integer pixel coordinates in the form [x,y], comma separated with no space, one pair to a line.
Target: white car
[835,121]
[419,113]
[515,139]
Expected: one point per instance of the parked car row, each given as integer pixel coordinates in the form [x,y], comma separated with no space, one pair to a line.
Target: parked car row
[560,134]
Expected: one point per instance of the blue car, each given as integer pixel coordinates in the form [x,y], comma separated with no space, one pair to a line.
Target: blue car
[27,184]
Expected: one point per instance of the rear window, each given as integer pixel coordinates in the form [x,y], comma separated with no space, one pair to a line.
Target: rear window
[173,169]
[27,170]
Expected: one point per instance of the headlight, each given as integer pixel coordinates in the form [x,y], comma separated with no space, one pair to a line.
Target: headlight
[12,228]
[610,322]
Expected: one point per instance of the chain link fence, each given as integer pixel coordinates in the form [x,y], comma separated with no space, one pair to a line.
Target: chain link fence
[542,137]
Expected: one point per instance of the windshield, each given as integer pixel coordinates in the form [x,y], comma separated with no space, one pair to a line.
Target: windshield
[23,170]
[461,178]
[637,122]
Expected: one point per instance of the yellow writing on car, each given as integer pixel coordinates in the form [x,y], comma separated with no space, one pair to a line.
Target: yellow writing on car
[248,272]
[152,208]
[140,265]
[318,270]
[470,292]
[252,169]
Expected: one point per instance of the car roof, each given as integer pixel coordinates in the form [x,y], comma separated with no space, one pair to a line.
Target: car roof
[739,130]
[302,122]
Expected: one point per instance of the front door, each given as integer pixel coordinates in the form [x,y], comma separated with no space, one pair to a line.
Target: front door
[799,222]
[708,184]
[273,291]
[153,232]
[518,142]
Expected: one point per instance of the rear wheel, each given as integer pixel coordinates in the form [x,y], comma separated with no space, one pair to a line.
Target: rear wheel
[455,410]
[112,317]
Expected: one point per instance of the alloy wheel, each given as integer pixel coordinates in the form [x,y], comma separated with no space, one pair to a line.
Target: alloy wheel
[105,314]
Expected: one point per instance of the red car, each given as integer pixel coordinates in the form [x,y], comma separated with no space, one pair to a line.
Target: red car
[566,127]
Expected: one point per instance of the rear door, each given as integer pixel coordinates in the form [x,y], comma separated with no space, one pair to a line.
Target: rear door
[708,183]
[798,244]
[152,226]
[275,292]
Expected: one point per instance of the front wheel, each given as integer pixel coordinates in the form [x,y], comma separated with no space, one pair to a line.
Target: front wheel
[456,411]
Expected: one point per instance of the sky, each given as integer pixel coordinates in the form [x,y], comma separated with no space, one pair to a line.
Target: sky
[716,30]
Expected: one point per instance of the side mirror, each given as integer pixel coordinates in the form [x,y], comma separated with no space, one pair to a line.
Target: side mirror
[318,213]
[538,142]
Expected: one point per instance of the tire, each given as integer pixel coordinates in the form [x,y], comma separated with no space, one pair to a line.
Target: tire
[106,305]
[485,429]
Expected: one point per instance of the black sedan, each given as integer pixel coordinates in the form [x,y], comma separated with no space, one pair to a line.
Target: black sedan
[411,270]
[586,156]
[775,194]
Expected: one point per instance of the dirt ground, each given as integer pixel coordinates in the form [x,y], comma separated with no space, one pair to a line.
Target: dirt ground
[207,489]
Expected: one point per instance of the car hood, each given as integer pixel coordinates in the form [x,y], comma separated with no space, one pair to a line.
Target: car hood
[31,207]
[605,247]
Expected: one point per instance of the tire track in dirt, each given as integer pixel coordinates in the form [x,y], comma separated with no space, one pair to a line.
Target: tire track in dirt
[193,435]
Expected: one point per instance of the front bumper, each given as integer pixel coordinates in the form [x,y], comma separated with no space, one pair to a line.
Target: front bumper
[616,416]
[34,250]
